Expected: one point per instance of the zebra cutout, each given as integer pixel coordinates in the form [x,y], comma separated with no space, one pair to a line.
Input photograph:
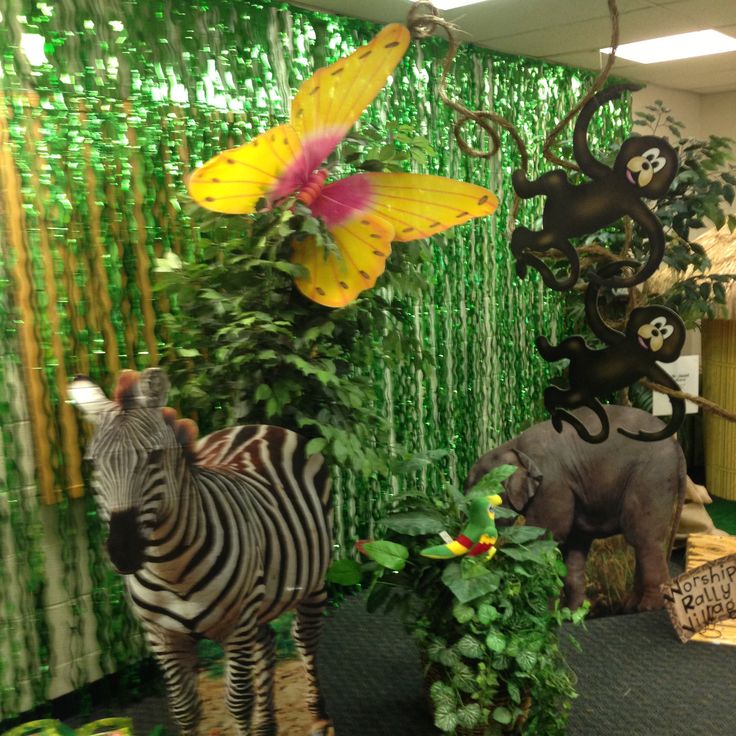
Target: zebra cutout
[214,538]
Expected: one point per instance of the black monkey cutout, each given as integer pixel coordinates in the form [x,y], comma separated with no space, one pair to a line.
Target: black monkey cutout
[653,333]
[645,167]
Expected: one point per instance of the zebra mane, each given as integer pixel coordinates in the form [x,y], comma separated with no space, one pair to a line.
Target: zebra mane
[185,430]
[127,390]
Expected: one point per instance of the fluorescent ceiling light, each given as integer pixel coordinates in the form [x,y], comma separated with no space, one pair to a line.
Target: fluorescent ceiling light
[452,4]
[680,46]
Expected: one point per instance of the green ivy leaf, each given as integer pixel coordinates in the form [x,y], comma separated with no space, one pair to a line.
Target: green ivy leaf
[463,678]
[316,445]
[470,647]
[470,716]
[445,719]
[387,554]
[463,613]
[449,658]
[514,692]
[434,649]
[344,572]
[466,590]
[443,695]
[502,715]
[496,641]
[487,613]
[414,523]
[527,660]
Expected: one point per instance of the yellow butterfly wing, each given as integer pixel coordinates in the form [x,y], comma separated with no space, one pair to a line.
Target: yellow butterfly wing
[364,243]
[420,205]
[328,104]
[233,181]
[279,162]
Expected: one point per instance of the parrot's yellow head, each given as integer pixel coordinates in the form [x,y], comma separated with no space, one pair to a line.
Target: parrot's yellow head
[493,500]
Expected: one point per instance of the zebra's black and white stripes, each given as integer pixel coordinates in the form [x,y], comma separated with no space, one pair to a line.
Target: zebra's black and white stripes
[215,539]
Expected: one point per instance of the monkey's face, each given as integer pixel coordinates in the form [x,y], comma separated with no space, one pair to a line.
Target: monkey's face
[658,331]
[648,163]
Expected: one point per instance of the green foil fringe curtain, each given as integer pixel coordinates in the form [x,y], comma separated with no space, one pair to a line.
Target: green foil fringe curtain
[104,108]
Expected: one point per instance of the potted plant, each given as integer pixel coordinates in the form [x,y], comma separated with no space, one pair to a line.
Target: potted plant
[487,628]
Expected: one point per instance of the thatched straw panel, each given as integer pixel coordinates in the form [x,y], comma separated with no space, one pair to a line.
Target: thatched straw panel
[720,245]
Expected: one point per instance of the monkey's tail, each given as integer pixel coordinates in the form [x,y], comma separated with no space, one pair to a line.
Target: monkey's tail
[598,100]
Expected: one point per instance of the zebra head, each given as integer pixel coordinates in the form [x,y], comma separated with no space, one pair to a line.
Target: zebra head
[136,455]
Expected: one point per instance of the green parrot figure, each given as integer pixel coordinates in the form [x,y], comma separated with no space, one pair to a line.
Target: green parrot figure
[478,536]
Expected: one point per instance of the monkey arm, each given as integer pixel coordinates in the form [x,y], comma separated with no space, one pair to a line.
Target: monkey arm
[566,349]
[587,162]
[545,184]
[657,374]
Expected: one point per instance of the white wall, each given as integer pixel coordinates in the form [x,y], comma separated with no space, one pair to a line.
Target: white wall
[702,115]
[718,114]
[685,106]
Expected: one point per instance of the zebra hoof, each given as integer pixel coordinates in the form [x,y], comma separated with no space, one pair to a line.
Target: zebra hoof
[322,728]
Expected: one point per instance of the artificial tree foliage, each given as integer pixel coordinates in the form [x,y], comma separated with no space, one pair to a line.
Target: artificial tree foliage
[246,346]
[487,629]
[705,184]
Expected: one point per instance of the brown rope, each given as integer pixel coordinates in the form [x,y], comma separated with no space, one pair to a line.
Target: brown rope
[705,404]
[597,84]
[422,21]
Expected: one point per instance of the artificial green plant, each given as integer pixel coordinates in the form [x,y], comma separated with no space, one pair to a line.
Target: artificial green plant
[246,347]
[487,629]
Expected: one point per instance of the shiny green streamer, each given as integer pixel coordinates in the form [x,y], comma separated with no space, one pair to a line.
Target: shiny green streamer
[111,104]
[23,625]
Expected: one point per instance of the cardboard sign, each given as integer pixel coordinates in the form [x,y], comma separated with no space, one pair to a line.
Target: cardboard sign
[685,370]
[701,597]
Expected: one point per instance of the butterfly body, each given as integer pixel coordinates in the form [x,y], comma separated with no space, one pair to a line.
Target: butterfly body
[364,213]
[313,188]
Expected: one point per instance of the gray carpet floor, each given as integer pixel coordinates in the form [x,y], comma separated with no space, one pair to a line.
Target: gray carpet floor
[634,679]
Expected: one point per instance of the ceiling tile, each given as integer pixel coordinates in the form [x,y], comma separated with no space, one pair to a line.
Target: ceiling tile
[572,31]
[379,11]
[706,13]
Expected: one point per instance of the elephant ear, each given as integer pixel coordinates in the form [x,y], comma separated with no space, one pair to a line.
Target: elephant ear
[523,484]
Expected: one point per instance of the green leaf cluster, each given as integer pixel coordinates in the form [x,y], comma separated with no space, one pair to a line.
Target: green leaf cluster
[244,346]
[368,150]
[488,629]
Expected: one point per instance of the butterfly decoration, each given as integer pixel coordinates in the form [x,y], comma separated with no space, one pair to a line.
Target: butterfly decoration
[363,213]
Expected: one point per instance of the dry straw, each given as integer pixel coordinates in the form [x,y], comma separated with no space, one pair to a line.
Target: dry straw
[720,247]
